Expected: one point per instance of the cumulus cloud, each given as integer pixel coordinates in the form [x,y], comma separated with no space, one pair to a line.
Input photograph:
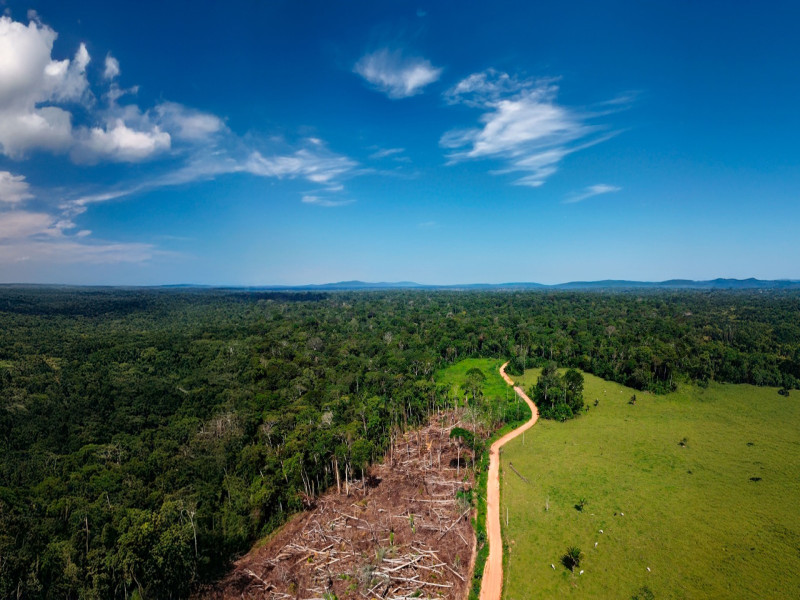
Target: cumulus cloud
[111,69]
[119,143]
[30,77]
[38,94]
[395,75]
[13,188]
[522,124]
[592,190]
[19,224]
[33,84]
[70,76]
[186,123]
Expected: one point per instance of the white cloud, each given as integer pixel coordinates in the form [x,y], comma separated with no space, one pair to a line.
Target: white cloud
[522,124]
[74,250]
[111,67]
[19,224]
[36,236]
[26,72]
[37,95]
[592,190]
[119,143]
[47,128]
[187,124]
[396,75]
[383,153]
[327,202]
[30,77]
[315,163]
[320,166]
[71,75]
[13,188]
[489,86]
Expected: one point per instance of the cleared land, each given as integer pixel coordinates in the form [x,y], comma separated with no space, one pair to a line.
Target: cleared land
[697,495]
[404,533]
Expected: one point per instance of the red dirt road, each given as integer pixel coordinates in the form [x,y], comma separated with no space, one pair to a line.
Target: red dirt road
[492,582]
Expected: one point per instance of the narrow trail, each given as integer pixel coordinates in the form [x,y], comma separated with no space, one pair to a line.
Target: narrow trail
[492,582]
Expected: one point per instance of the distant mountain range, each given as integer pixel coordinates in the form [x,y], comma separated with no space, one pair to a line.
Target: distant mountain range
[606,284]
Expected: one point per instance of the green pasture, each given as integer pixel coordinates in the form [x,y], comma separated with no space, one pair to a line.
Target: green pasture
[697,515]
[493,387]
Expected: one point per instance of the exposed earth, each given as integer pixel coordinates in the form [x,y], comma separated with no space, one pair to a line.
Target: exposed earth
[402,531]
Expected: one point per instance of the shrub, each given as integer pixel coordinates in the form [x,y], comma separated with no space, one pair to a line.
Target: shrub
[572,558]
[643,593]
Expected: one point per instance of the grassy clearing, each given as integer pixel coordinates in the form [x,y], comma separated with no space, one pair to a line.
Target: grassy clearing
[692,514]
[493,387]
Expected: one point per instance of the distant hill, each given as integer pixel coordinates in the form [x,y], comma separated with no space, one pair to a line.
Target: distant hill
[606,284]
[713,284]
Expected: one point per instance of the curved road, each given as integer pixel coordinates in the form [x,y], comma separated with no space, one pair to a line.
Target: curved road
[492,582]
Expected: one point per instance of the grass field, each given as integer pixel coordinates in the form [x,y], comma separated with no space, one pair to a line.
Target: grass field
[493,386]
[692,514]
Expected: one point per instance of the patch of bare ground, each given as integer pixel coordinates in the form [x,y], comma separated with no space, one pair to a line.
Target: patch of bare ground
[404,531]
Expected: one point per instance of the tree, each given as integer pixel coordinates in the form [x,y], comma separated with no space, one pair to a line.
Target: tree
[558,398]
[573,382]
[572,558]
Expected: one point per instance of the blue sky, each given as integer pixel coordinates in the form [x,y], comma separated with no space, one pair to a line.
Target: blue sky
[254,143]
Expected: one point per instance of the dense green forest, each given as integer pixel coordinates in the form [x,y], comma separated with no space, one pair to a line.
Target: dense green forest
[148,436]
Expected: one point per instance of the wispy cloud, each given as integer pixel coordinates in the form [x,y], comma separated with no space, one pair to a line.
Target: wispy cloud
[522,125]
[428,225]
[46,236]
[592,190]
[313,162]
[385,152]
[326,202]
[317,166]
[396,75]
[73,250]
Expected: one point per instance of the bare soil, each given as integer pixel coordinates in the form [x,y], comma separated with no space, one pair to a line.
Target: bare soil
[399,533]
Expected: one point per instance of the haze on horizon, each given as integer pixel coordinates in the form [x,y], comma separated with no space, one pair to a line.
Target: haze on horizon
[441,143]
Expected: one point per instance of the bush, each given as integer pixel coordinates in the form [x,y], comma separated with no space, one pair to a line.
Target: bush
[643,593]
[559,412]
[572,558]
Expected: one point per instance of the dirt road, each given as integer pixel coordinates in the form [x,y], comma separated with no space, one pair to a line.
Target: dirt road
[492,582]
